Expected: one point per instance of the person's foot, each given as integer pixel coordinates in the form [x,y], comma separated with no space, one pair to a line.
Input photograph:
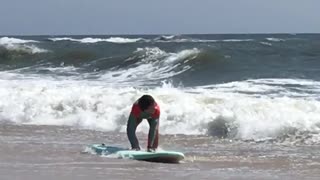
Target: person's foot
[151,150]
[136,149]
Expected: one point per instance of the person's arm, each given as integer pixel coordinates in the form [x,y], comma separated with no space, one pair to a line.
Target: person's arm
[153,123]
[131,132]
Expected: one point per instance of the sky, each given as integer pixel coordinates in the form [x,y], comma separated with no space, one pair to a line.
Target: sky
[80,17]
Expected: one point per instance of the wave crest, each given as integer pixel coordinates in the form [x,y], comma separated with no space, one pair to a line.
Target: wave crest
[19,46]
[119,40]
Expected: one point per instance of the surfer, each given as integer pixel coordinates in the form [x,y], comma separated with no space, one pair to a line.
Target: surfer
[144,108]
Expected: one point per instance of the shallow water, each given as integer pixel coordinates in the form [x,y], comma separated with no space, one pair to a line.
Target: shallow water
[58,152]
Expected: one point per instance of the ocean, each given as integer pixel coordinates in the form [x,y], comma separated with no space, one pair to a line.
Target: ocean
[240,106]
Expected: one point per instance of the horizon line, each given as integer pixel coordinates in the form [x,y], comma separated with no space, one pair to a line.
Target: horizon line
[153,34]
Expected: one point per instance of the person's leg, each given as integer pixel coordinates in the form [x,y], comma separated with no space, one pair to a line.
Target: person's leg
[131,131]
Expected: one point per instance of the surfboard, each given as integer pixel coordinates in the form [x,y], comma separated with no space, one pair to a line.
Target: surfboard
[157,156]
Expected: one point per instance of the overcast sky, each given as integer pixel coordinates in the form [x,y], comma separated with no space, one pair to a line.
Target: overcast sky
[51,17]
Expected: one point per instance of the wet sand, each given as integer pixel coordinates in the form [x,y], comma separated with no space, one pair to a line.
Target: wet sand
[30,152]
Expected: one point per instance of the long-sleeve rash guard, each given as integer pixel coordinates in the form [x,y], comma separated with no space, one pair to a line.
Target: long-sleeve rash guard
[135,118]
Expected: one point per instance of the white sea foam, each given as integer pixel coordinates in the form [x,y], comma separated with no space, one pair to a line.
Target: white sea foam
[99,105]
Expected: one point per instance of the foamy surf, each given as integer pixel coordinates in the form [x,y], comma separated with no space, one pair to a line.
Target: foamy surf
[92,105]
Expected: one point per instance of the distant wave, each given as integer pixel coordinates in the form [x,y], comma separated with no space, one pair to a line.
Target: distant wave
[149,64]
[119,40]
[235,40]
[275,39]
[172,38]
[156,54]
[14,45]
[30,49]
[266,43]
[166,38]
[207,40]
[160,39]
[7,40]
[62,39]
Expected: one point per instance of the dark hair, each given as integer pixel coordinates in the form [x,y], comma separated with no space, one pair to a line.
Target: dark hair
[145,101]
